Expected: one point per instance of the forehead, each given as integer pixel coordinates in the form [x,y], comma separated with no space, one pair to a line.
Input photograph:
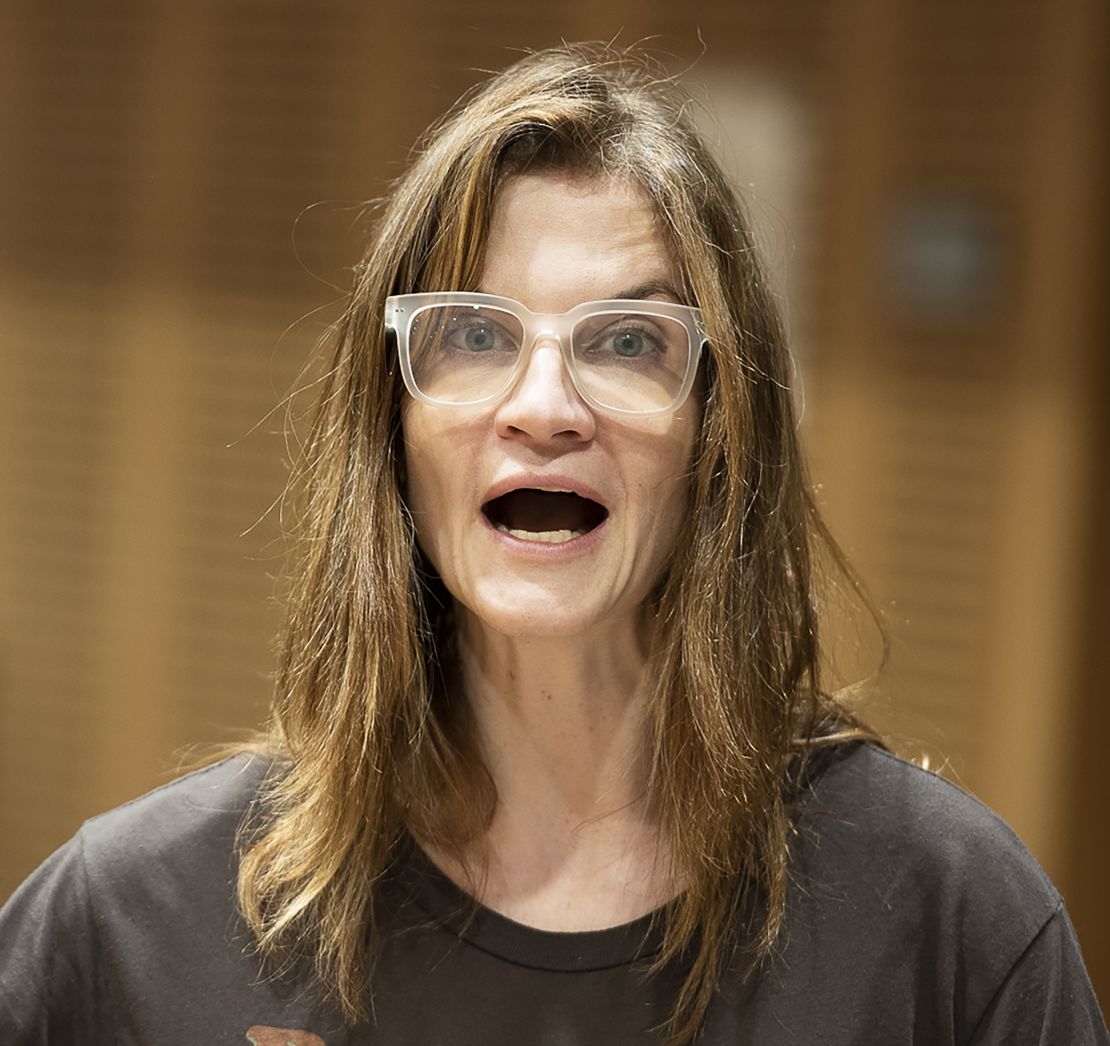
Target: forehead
[557,240]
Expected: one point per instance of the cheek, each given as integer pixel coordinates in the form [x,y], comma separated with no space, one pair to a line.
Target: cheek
[423,482]
[680,483]
[418,481]
[439,489]
[671,510]
[663,466]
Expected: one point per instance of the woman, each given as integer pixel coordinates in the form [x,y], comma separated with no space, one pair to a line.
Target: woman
[549,759]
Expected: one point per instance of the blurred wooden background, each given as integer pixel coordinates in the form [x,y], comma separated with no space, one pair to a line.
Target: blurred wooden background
[928,177]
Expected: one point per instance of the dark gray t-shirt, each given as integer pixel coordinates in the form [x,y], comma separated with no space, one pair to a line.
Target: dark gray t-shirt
[914,916]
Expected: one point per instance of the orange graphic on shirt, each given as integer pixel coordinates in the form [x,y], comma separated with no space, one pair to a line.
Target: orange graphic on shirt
[263,1036]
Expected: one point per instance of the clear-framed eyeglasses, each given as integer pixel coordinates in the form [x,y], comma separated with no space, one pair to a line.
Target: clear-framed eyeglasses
[460,349]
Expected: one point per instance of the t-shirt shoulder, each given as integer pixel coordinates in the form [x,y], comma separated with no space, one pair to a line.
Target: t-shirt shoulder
[903,827]
[201,810]
[141,888]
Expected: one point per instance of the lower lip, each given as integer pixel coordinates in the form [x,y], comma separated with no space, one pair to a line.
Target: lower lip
[544,549]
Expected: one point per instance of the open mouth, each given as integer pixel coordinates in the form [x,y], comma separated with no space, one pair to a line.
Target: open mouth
[547,516]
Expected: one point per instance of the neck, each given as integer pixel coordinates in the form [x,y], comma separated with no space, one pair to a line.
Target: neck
[560,721]
[560,724]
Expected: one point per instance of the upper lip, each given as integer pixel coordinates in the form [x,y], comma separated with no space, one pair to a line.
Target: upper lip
[543,481]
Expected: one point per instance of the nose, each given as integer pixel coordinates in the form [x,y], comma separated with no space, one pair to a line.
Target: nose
[544,405]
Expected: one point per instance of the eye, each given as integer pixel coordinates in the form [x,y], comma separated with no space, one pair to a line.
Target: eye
[628,343]
[476,335]
[479,339]
[626,339]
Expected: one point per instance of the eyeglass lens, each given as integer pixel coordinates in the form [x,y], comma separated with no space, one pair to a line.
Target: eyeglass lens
[625,360]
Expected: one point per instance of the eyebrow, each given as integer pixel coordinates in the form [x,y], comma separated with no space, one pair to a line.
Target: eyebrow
[648,290]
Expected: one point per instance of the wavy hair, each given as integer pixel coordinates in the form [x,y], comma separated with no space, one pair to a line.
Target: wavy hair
[371,749]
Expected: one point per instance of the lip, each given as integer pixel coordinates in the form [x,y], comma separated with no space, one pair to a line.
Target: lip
[544,481]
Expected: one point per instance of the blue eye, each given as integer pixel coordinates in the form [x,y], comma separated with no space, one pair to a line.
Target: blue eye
[479,339]
[628,343]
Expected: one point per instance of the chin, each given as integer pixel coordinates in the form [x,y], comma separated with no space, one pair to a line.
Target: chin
[542,614]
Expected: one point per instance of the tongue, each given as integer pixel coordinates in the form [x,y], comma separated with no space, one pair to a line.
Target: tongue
[542,510]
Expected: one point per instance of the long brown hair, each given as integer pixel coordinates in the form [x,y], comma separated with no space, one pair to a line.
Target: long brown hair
[369,745]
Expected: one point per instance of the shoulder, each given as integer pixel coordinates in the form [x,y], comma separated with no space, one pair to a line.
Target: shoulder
[180,812]
[867,797]
[881,817]
[915,914]
[916,911]
[883,844]
[217,791]
[138,901]
[171,833]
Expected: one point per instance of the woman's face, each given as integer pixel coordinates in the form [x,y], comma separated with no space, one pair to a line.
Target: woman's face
[555,241]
